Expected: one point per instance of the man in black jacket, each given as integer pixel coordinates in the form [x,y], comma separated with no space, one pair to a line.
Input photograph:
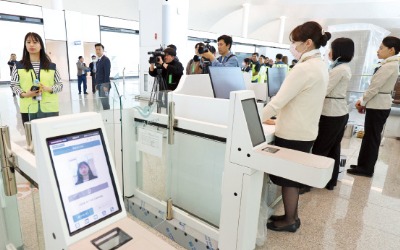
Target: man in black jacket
[172,71]
[93,69]
[103,68]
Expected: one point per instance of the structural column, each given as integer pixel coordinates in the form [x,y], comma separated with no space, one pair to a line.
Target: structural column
[281,29]
[162,22]
[245,20]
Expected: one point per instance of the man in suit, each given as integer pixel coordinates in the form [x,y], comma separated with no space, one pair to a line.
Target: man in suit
[103,68]
[92,67]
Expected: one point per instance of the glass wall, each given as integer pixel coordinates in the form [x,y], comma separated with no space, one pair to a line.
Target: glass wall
[12,41]
[123,51]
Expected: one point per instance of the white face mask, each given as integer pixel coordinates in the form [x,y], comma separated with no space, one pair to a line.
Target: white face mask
[294,52]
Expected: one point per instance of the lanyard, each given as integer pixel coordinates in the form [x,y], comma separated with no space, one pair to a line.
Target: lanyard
[37,76]
[33,78]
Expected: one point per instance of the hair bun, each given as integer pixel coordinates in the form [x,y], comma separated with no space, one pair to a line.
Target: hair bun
[325,37]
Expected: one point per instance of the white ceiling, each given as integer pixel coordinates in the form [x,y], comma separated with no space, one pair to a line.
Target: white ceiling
[225,16]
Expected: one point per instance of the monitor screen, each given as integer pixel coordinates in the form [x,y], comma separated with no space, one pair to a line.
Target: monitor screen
[226,79]
[276,76]
[84,178]
[253,121]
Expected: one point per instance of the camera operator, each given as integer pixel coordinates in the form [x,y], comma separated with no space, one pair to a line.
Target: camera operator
[167,70]
[193,66]
[227,59]
[172,69]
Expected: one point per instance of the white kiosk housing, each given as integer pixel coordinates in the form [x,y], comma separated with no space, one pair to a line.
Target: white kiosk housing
[81,203]
[247,158]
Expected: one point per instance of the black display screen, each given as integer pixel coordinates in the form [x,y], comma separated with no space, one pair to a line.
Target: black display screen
[253,121]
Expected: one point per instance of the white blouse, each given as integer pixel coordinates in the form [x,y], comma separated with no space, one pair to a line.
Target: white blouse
[378,95]
[335,103]
[298,104]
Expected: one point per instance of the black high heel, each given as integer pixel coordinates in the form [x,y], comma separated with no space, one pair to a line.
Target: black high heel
[282,217]
[288,228]
[276,217]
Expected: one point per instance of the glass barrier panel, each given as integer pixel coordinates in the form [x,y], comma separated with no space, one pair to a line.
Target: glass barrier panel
[30,214]
[151,147]
[10,219]
[151,165]
[195,170]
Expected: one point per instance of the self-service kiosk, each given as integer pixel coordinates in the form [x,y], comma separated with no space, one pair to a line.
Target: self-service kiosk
[247,158]
[82,207]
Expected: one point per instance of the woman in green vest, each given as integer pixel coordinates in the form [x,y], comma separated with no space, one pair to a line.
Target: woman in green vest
[36,81]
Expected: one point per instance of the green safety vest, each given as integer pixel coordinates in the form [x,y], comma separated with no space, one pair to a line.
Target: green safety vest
[253,70]
[49,102]
[262,75]
[281,65]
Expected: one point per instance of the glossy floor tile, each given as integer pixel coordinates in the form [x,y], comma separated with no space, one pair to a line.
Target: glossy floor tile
[361,213]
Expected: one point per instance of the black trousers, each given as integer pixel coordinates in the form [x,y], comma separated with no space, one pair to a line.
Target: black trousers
[105,101]
[93,82]
[375,119]
[330,134]
[163,98]
[304,146]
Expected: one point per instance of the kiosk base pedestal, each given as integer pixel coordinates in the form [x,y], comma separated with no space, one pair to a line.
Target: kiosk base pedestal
[141,238]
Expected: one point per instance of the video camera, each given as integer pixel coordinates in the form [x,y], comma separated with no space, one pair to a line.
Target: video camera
[204,48]
[155,56]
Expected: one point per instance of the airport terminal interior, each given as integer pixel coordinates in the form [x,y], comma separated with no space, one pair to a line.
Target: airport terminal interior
[169,176]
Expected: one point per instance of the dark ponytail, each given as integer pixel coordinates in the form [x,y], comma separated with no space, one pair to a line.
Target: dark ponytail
[310,30]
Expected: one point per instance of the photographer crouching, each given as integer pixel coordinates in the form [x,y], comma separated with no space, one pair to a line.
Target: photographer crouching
[167,70]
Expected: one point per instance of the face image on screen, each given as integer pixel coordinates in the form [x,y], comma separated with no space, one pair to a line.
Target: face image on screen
[226,79]
[276,76]
[253,121]
[84,179]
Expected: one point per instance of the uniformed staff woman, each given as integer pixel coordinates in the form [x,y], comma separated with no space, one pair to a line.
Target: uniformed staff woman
[298,106]
[335,113]
[376,101]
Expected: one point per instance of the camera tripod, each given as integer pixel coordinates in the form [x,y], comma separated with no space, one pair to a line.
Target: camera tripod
[157,96]
[205,66]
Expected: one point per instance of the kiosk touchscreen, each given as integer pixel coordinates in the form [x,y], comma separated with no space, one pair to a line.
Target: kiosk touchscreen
[253,121]
[226,79]
[84,178]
